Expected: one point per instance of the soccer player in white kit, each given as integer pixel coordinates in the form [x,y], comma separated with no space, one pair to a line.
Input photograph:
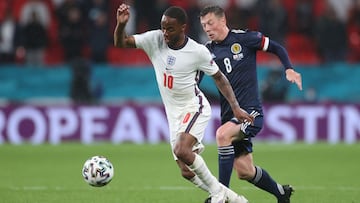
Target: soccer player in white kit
[178,61]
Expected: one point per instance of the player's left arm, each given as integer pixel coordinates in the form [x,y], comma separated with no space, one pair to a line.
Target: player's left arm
[280,51]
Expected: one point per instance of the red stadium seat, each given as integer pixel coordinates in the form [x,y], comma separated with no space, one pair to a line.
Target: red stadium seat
[127,56]
[301,49]
[54,54]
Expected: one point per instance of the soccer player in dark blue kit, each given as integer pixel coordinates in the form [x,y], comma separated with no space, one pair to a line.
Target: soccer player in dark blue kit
[235,53]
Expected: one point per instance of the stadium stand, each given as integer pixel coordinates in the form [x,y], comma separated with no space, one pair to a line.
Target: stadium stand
[301,48]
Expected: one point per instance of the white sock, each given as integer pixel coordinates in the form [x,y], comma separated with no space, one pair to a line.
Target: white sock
[233,196]
[196,181]
[202,171]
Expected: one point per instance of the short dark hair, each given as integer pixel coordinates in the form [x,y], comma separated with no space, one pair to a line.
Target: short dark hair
[217,10]
[178,13]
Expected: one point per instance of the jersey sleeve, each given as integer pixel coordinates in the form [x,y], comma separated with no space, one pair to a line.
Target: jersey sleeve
[206,62]
[257,40]
[260,42]
[148,41]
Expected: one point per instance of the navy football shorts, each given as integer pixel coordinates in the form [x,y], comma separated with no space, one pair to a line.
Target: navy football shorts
[245,145]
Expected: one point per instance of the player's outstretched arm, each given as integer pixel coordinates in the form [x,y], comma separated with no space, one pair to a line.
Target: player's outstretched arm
[226,90]
[291,74]
[294,77]
[120,38]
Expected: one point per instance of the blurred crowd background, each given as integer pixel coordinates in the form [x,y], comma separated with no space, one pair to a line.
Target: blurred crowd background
[38,32]
[61,78]
[63,49]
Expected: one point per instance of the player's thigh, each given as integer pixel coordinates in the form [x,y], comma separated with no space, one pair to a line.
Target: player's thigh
[192,124]
[186,141]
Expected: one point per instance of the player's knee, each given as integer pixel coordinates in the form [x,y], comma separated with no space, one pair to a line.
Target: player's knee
[222,138]
[180,152]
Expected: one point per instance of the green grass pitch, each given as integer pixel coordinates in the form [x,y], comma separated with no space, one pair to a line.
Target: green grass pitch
[320,173]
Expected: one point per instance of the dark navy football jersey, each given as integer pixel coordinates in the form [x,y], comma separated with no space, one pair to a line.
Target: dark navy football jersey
[236,58]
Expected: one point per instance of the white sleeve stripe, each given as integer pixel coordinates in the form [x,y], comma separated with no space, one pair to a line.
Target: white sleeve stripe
[266,44]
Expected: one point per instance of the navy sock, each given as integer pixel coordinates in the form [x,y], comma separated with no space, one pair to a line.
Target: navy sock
[226,162]
[264,181]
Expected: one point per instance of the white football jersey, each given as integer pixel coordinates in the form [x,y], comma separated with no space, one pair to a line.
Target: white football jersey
[177,71]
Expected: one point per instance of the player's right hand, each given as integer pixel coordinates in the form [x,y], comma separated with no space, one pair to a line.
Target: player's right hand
[243,116]
[123,14]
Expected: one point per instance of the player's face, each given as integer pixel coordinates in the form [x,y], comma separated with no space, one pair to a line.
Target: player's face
[173,31]
[213,26]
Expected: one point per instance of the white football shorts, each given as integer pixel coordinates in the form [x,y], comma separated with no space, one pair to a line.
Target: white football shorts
[192,122]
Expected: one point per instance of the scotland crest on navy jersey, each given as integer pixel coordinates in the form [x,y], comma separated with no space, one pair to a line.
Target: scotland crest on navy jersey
[236,50]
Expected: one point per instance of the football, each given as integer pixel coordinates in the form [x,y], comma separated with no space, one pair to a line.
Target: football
[98,171]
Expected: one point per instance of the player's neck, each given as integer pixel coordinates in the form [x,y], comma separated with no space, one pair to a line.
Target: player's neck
[180,44]
[223,34]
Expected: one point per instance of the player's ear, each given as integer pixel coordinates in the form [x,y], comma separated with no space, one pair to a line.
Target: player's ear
[223,19]
[183,27]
